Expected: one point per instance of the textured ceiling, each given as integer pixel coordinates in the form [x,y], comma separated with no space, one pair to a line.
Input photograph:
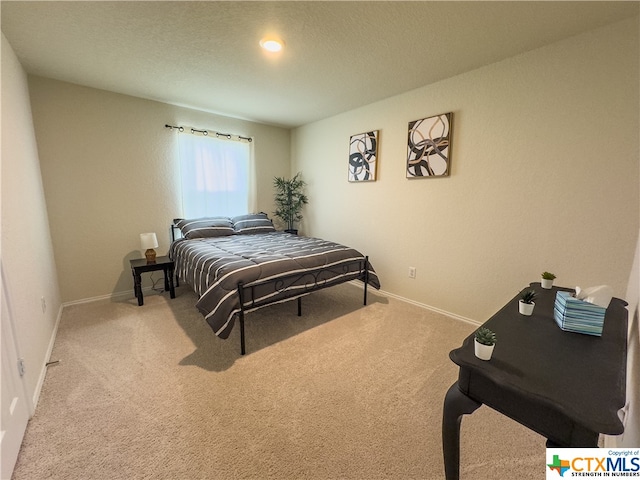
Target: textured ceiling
[338,55]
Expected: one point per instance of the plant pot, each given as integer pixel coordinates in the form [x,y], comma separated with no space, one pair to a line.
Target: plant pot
[526,308]
[292,231]
[546,283]
[483,352]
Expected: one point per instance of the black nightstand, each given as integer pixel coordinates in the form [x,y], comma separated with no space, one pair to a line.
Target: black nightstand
[140,265]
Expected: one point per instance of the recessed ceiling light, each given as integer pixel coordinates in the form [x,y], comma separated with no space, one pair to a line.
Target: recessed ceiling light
[272,44]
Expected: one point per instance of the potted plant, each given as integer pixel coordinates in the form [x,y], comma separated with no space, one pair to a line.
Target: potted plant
[526,303]
[290,199]
[484,342]
[547,279]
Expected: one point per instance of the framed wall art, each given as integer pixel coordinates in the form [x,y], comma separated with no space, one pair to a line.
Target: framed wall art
[363,156]
[429,147]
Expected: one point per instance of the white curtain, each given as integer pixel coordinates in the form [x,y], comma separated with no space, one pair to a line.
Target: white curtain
[216,176]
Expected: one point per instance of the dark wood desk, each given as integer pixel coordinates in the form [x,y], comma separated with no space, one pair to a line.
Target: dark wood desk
[140,265]
[565,386]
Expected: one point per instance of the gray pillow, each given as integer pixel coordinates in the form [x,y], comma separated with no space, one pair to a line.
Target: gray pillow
[252,223]
[205,227]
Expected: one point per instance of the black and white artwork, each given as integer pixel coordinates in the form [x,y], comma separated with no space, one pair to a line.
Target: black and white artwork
[429,147]
[363,157]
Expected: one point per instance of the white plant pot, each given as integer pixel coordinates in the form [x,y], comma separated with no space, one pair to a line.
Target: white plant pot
[483,352]
[547,283]
[526,308]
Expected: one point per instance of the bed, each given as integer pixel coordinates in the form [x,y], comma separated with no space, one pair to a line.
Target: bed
[239,264]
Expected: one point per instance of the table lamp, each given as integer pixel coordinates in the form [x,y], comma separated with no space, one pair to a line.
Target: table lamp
[149,241]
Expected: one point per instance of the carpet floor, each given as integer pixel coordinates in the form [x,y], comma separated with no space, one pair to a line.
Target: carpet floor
[344,392]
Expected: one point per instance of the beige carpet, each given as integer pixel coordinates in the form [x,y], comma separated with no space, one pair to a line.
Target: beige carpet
[343,392]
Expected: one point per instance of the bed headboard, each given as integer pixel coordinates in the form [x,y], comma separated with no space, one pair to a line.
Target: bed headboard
[175,230]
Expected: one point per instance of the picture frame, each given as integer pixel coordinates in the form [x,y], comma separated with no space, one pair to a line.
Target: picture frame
[429,147]
[363,156]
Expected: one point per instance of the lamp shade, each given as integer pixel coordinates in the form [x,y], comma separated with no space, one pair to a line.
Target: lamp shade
[148,240]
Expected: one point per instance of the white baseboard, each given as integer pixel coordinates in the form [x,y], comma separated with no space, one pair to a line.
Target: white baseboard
[109,296]
[434,309]
[43,370]
[353,282]
[455,316]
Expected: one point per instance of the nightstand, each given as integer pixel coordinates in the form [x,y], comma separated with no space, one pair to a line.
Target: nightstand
[140,265]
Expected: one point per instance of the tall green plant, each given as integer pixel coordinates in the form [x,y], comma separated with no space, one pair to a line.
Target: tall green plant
[289,199]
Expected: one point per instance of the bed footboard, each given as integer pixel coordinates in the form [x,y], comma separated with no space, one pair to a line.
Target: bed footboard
[260,294]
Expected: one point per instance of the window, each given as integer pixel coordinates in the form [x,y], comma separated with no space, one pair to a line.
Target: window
[216,176]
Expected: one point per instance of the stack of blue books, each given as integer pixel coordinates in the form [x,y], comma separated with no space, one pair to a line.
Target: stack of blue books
[574,315]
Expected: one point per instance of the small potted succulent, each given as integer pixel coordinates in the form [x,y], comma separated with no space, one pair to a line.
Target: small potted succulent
[484,341]
[547,279]
[526,303]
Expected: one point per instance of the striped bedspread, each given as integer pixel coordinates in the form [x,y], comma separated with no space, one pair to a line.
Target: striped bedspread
[278,265]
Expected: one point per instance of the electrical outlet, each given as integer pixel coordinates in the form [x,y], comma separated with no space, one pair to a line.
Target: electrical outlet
[43,303]
[412,272]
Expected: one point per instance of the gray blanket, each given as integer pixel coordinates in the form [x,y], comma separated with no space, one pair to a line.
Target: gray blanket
[279,266]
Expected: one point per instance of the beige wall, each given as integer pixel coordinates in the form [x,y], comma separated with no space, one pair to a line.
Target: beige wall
[28,267]
[110,173]
[545,170]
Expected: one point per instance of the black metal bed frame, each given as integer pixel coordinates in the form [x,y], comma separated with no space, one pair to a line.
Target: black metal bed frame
[293,288]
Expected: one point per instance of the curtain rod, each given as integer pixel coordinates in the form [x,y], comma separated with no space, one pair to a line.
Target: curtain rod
[207,132]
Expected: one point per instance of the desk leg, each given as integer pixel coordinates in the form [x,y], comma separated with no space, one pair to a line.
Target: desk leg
[137,288]
[456,404]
